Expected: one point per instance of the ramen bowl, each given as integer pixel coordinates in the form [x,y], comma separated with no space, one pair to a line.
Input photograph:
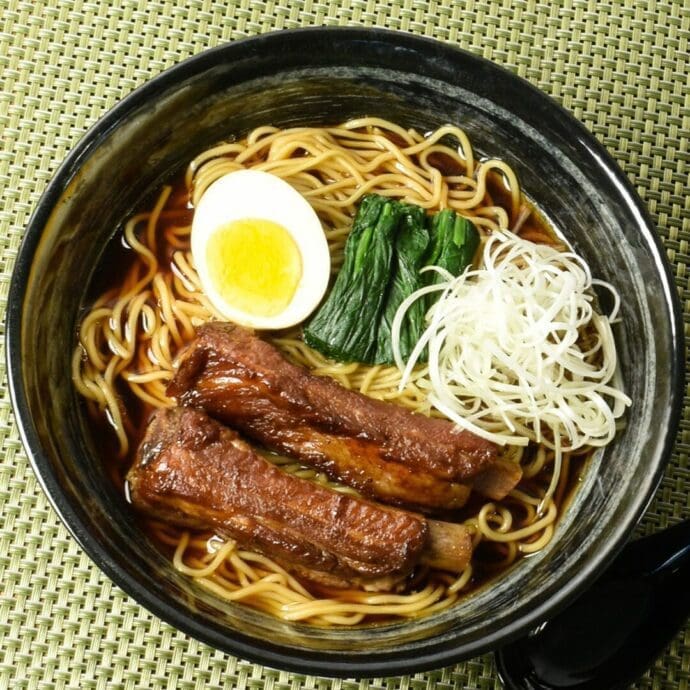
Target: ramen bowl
[314,77]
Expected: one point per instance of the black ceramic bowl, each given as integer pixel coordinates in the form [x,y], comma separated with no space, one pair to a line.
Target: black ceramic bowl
[324,76]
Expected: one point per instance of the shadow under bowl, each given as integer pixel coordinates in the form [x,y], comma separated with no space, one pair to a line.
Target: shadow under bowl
[318,76]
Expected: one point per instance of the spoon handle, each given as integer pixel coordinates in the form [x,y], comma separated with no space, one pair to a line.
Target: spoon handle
[614,631]
[658,553]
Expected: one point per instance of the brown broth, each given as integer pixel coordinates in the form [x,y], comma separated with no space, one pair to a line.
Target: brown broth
[119,257]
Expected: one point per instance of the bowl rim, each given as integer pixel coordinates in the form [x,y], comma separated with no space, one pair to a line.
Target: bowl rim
[333,664]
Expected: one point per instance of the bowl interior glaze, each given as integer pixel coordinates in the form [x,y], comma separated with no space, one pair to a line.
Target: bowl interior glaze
[315,77]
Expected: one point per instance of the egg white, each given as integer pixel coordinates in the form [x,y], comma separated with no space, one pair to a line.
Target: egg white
[254,194]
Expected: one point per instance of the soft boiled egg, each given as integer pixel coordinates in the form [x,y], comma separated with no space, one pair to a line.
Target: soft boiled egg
[260,251]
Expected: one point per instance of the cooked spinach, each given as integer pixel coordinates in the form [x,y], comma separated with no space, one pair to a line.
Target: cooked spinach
[345,326]
[410,247]
[388,245]
[454,241]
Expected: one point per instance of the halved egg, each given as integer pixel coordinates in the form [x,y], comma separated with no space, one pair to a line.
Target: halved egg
[260,251]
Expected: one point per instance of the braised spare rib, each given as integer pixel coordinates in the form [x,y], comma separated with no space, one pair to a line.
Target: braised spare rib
[192,471]
[381,449]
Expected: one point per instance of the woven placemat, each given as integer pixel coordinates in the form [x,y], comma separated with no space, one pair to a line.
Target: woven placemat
[621,66]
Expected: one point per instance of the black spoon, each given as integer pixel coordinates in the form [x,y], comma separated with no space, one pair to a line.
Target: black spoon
[608,637]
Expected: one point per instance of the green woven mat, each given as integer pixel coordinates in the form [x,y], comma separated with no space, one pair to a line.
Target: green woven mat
[621,66]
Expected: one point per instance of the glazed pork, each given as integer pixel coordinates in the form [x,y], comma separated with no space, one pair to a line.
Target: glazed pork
[381,449]
[192,471]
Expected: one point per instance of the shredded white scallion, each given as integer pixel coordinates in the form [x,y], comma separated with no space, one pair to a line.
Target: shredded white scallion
[507,358]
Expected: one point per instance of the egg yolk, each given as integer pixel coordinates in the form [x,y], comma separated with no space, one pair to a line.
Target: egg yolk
[255,265]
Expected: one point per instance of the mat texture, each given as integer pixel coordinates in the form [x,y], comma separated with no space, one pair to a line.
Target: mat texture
[621,66]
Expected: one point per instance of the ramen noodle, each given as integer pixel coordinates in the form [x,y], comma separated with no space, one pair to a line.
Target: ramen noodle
[131,334]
